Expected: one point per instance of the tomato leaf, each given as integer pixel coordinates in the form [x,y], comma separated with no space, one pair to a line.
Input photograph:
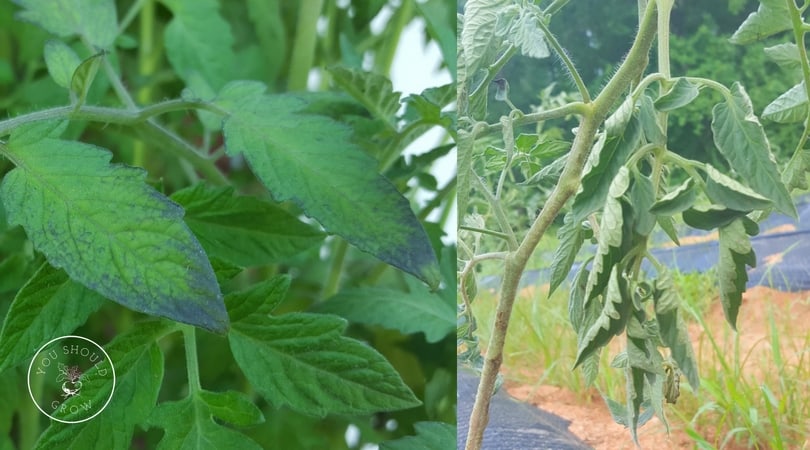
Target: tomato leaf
[189,425]
[50,304]
[94,20]
[571,236]
[408,312]
[610,236]
[790,107]
[735,254]
[246,231]
[678,200]
[742,141]
[110,231]
[138,364]
[429,435]
[770,18]
[316,371]
[681,94]
[62,62]
[726,191]
[611,321]
[318,168]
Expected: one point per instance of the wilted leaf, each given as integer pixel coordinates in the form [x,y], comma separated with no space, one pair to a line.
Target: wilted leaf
[571,236]
[740,138]
[727,191]
[675,201]
[710,218]
[611,321]
[735,254]
[771,17]
[681,94]
[790,107]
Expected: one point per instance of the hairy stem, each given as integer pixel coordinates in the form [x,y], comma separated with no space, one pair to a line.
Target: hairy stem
[515,263]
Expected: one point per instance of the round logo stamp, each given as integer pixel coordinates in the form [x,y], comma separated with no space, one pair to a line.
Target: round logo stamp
[71,379]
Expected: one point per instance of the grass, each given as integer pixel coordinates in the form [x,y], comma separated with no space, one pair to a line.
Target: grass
[753,394]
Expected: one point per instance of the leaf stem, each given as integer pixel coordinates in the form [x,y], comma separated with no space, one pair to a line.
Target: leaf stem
[146,67]
[332,284]
[303,53]
[583,90]
[190,341]
[799,32]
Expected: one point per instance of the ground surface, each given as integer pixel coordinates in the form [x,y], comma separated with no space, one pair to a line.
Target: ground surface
[591,421]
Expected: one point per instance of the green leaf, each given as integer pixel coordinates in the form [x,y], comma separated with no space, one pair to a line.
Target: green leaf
[641,198]
[611,321]
[311,161]
[672,328]
[188,425]
[527,35]
[735,254]
[604,163]
[577,313]
[232,407]
[740,138]
[36,131]
[785,55]
[110,231]
[712,217]
[246,231]
[727,191]
[649,121]
[49,305]
[610,236]
[479,39]
[681,94]
[795,174]
[571,236]
[408,312]
[771,17]
[138,364]
[429,436]
[680,199]
[199,45]
[316,371]
[668,225]
[259,299]
[94,20]
[62,62]
[790,107]
[83,78]
[373,91]
[635,398]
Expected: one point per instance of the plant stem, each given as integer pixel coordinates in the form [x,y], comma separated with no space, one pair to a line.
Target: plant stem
[527,119]
[515,263]
[303,52]
[332,284]
[190,341]
[146,67]
[583,90]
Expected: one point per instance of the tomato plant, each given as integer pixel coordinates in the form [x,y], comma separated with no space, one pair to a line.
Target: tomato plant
[613,179]
[218,193]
